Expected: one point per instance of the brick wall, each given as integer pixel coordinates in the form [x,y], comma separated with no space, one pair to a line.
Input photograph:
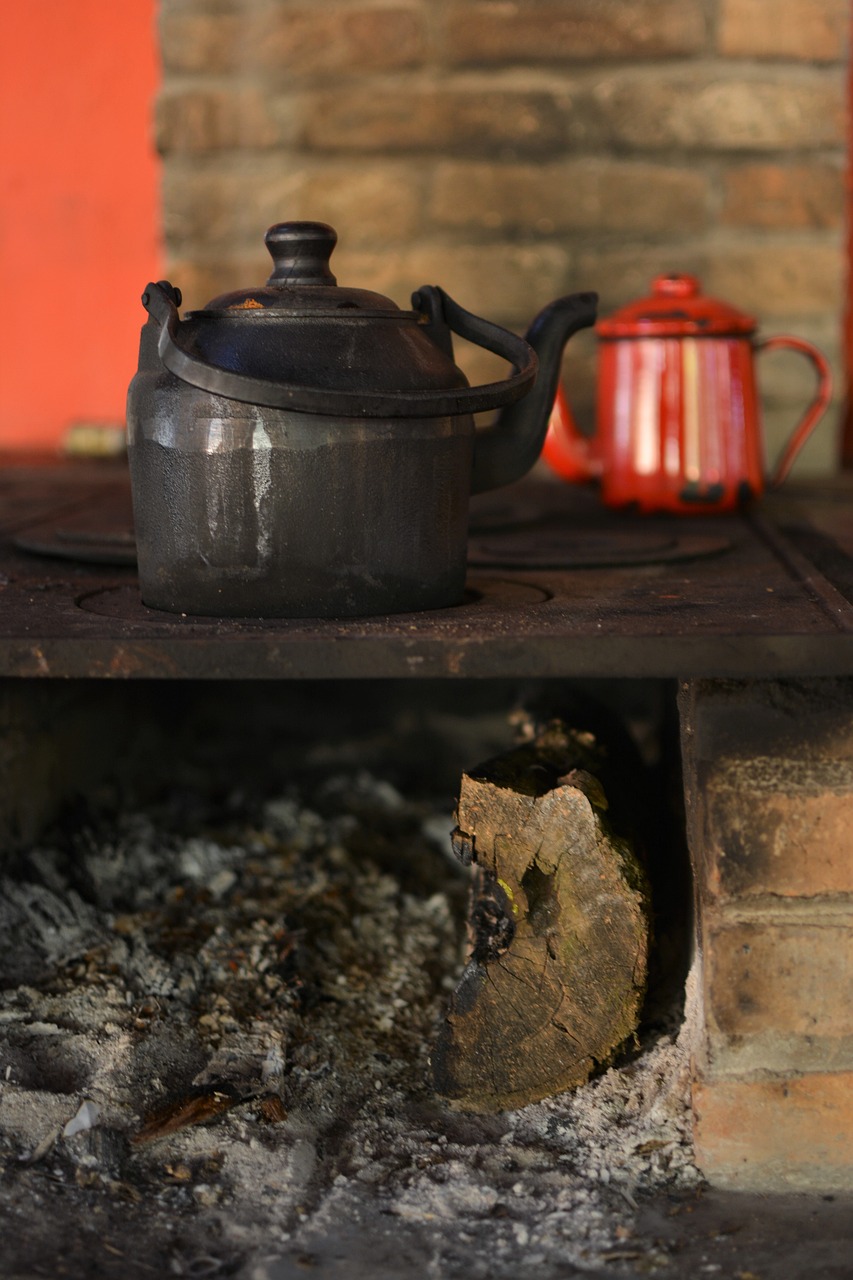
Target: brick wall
[769,789]
[514,150]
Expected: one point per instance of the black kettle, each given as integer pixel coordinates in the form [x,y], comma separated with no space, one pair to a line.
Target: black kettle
[306,450]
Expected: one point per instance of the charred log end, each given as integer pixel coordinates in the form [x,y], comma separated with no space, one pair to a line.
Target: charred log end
[558,932]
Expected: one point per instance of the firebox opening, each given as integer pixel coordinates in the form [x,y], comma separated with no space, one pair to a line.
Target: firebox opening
[258,922]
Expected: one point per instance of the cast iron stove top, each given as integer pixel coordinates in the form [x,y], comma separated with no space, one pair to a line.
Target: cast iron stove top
[557,586]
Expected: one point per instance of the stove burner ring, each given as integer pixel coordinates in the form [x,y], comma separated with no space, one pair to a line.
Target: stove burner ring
[482,594]
[527,546]
[569,549]
[84,545]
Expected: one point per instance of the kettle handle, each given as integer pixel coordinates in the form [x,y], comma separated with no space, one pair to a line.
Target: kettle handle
[816,408]
[160,301]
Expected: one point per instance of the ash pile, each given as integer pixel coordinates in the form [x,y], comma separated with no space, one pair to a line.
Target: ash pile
[217,1019]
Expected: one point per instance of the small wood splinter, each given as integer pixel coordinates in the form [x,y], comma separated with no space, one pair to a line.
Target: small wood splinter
[559,930]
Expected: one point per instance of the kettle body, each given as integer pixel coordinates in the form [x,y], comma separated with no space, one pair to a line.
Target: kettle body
[678,413]
[248,510]
[306,450]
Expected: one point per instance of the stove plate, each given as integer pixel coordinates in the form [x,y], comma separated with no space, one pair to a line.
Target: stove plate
[558,587]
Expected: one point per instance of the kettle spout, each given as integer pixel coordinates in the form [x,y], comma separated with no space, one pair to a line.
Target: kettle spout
[506,450]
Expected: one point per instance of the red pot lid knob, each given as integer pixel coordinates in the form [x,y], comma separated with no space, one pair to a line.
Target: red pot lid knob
[676,287]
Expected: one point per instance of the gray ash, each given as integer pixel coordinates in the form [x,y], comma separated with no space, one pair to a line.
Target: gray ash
[214,1059]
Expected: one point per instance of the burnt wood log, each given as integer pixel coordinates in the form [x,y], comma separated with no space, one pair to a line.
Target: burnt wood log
[558,929]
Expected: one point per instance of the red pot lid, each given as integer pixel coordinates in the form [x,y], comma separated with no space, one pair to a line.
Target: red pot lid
[677,308]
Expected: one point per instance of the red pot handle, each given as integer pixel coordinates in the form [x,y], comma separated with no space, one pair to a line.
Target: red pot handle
[815,410]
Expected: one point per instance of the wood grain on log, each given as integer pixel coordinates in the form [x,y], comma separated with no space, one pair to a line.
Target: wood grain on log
[559,930]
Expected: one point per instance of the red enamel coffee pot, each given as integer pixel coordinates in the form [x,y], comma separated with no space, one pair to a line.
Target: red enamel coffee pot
[678,414]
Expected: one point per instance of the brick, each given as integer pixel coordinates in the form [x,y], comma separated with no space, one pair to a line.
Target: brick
[791,980]
[294,41]
[578,195]
[215,205]
[508,285]
[200,120]
[778,826]
[807,30]
[438,119]
[321,40]
[370,205]
[774,1135]
[766,764]
[779,197]
[792,279]
[201,42]
[711,110]
[494,33]
[621,274]
[220,206]
[741,718]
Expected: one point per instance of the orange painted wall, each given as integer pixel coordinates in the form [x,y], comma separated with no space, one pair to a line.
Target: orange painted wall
[847,412]
[79,210]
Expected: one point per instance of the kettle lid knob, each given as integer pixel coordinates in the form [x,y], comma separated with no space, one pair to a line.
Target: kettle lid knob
[301,253]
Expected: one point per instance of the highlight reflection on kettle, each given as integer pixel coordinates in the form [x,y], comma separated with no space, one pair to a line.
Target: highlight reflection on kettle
[678,414]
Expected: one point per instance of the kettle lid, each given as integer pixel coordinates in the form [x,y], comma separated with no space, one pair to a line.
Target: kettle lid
[302,280]
[303,344]
[677,308]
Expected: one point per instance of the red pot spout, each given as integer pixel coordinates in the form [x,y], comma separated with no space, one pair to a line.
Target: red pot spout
[568,452]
